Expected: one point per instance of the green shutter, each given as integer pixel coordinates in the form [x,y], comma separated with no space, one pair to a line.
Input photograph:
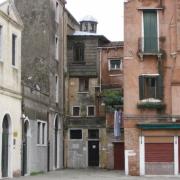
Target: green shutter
[159,87]
[141,87]
[150,32]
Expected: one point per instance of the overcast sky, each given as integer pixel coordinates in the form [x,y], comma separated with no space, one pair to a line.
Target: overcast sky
[109,14]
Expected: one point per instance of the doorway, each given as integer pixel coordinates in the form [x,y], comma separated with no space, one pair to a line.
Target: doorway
[119,156]
[93,153]
[25,148]
[5,147]
[56,144]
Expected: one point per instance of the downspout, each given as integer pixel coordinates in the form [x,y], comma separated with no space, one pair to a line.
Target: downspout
[100,75]
[64,105]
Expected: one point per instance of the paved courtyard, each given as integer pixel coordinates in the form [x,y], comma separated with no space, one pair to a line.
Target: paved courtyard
[91,174]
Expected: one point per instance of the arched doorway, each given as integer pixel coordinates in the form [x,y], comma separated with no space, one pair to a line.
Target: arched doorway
[5,146]
[56,142]
[25,148]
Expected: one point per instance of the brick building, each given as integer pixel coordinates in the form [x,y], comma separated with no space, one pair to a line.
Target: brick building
[111,81]
[152,87]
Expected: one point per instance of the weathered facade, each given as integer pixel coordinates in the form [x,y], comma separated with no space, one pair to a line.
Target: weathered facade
[11,27]
[151,87]
[111,80]
[85,130]
[43,42]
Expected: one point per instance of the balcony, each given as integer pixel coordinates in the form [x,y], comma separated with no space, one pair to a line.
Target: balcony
[150,46]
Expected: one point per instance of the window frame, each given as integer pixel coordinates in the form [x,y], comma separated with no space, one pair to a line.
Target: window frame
[78,51]
[158,86]
[74,129]
[42,137]
[57,88]
[57,47]
[142,28]
[87,109]
[14,50]
[115,69]
[73,111]
[1,43]
[85,83]
[57,11]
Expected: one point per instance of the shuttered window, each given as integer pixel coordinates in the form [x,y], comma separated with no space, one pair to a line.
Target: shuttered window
[150,31]
[150,87]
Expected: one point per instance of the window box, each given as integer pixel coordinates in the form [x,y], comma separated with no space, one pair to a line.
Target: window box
[151,104]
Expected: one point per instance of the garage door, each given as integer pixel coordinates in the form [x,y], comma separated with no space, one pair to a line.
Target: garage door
[159,155]
[159,152]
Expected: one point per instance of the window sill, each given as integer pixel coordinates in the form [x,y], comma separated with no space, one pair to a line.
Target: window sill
[75,116]
[14,67]
[41,145]
[82,92]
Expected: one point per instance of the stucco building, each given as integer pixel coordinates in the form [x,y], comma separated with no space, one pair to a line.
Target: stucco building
[43,42]
[85,140]
[10,90]
[151,87]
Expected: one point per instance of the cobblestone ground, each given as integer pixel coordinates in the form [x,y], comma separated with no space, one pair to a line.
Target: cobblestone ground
[92,174]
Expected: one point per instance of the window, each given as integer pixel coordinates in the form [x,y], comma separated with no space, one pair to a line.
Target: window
[90,111]
[83,84]
[92,27]
[79,53]
[38,132]
[75,134]
[14,37]
[76,111]
[1,42]
[41,132]
[150,86]
[56,48]
[86,27]
[57,89]
[93,134]
[57,12]
[150,31]
[115,64]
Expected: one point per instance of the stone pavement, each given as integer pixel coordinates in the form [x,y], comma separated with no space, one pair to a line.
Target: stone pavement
[91,174]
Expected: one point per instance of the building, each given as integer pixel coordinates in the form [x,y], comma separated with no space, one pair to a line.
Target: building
[85,136]
[43,44]
[111,87]
[11,27]
[151,87]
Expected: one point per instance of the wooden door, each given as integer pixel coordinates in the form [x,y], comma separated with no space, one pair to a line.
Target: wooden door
[119,156]
[93,153]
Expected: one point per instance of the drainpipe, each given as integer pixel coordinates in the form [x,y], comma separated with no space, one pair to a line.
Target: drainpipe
[48,145]
[100,75]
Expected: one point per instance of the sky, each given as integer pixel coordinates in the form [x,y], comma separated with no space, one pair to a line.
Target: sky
[109,14]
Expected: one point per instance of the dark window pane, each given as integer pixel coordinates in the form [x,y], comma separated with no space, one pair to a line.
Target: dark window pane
[13,50]
[115,64]
[79,52]
[38,132]
[76,111]
[76,134]
[93,134]
[91,111]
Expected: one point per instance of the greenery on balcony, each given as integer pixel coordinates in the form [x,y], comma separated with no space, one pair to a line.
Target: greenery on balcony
[112,98]
[151,105]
